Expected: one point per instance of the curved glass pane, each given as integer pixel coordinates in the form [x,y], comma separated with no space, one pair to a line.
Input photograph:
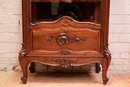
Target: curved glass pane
[79,10]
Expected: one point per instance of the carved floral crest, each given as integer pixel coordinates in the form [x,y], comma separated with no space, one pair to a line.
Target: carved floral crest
[65,63]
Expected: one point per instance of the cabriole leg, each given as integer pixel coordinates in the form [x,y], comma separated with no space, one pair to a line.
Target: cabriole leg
[24,64]
[105,66]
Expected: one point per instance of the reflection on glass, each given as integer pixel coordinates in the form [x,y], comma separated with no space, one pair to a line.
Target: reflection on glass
[70,9]
[80,10]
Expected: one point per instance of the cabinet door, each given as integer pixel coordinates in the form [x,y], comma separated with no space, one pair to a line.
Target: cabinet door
[66,28]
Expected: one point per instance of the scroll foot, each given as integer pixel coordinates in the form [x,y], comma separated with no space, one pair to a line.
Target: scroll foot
[105,80]
[24,79]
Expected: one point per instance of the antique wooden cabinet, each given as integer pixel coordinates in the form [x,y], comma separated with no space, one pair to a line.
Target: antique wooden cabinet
[65,33]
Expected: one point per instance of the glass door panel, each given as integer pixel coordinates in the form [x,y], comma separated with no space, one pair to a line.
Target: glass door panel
[79,10]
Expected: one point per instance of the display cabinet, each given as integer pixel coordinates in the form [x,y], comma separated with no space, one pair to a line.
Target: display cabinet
[65,33]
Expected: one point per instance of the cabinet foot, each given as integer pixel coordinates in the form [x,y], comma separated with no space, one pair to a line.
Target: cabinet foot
[24,79]
[105,80]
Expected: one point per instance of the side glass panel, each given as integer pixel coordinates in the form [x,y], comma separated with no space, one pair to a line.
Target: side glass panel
[80,10]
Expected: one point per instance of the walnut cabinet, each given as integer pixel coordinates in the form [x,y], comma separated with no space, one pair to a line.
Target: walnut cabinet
[62,40]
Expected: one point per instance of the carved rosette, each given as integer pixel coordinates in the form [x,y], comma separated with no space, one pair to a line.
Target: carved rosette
[107,52]
[22,53]
[64,62]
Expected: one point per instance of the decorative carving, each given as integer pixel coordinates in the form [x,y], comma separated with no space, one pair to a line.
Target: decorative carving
[65,52]
[22,53]
[66,23]
[51,38]
[64,62]
[107,52]
[63,38]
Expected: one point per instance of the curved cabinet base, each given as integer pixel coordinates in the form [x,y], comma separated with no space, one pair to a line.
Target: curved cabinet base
[24,62]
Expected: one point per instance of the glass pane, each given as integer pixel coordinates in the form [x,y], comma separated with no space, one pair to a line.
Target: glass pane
[79,10]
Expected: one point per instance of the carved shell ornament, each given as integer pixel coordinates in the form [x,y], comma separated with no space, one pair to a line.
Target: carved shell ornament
[65,23]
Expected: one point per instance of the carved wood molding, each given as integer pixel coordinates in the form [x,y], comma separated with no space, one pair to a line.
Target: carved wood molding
[65,63]
[22,53]
[65,51]
[63,38]
[107,52]
[65,21]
